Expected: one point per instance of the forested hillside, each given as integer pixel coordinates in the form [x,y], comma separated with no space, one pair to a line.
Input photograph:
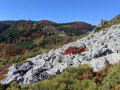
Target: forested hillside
[22,39]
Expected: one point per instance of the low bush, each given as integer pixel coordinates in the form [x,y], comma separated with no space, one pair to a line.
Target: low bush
[14,86]
[84,85]
[74,50]
[2,87]
[113,78]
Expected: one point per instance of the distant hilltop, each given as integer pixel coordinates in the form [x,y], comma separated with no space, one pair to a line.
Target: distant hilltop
[5,21]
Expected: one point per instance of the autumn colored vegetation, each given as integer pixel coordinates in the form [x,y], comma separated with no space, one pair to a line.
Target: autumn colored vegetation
[74,50]
[9,51]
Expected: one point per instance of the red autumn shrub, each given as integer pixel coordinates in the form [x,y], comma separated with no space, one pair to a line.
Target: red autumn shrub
[74,50]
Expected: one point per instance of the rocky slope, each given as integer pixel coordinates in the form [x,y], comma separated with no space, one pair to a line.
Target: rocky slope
[100,46]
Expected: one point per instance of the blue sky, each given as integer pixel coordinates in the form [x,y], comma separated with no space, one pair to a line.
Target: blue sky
[60,11]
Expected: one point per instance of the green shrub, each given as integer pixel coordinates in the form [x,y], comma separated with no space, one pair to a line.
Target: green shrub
[113,77]
[84,85]
[43,85]
[14,86]
[80,69]
[2,87]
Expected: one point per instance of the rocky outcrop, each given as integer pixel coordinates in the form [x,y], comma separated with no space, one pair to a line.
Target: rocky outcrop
[101,23]
[100,46]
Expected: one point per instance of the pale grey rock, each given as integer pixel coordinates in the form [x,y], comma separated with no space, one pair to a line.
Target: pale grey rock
[13,69]
[34,75]
[11,78]
[25,67]
[101,23]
